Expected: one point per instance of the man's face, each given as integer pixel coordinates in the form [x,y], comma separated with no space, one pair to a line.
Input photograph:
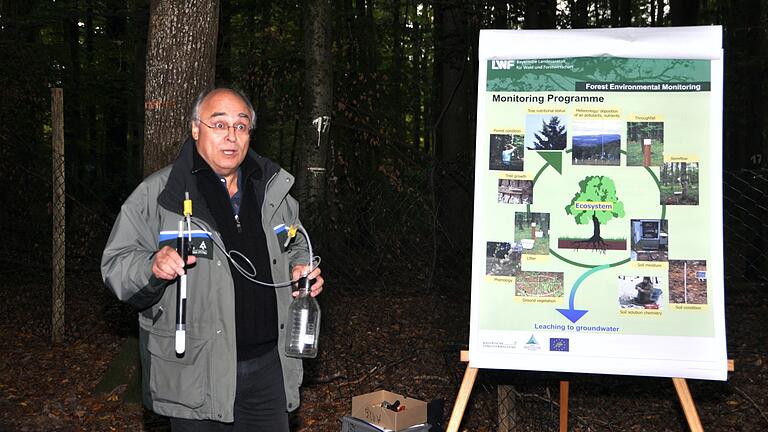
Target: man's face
[220,143]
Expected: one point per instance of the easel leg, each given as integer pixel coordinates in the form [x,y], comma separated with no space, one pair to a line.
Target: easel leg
[461,400]
[564,405]
[689,408]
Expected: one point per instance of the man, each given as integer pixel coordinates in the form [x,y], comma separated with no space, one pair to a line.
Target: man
[507,154]
[644,290]
[233,375]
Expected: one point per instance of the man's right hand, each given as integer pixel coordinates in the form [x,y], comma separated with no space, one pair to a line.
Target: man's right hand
[168,264]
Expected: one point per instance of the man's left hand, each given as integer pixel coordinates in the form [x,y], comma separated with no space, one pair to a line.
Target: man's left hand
[298,270]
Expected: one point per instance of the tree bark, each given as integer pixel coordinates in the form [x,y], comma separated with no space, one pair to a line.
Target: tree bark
[318,99]
[454,143]
[181,60]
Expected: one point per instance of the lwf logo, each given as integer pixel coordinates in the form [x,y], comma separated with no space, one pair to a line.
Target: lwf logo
[502,64]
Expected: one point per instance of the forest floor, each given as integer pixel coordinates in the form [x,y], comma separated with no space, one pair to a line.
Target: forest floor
[404,340]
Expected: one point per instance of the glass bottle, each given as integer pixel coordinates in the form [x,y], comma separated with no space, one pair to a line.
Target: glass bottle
[303,323]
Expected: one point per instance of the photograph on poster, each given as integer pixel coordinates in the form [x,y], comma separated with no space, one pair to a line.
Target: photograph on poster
[515,191]
[679,183]
[688,282]
[596,142]
[545,132]
[640,292]
[650,239]
[539,284]
[506,152]
[532,232]
[642,138]
[502,259]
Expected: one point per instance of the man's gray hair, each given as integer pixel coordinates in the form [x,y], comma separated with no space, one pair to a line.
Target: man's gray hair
[195,115]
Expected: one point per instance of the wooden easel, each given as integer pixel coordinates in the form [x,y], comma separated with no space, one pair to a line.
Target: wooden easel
[681,386]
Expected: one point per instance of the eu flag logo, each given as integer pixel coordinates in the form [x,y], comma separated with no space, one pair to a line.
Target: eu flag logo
[558,344]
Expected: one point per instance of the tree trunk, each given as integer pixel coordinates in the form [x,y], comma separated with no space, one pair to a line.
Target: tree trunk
[500,16]
[625,13]
[398,74]
[113,151]
[746,49]
[540,14]
[224,36]
[318,100]
[417,101]
[454,143]
[659,13]
[138,79]
[181,60]
[579,13]
[684,12]
[261,91]
[73,115]
[595,228]
[613,6]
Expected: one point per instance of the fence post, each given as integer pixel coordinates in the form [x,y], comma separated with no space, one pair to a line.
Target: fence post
[58,210]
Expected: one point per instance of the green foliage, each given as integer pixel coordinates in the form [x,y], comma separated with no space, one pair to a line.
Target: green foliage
[636,131]
[553,135]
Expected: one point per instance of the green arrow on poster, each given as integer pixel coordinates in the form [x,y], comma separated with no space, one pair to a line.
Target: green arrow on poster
[554,158]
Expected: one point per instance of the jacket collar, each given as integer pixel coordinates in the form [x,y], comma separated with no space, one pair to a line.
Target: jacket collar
[248,169]
[189,164]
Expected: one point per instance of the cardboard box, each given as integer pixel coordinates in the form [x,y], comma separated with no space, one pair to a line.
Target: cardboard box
[368,407]
[353,424]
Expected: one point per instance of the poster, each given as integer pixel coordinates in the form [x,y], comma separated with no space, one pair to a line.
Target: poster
[597,241]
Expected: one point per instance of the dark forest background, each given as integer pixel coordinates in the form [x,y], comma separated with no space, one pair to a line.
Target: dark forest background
[391,213]
[400,144]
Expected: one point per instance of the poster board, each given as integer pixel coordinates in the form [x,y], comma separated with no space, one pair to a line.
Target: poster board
[597,241]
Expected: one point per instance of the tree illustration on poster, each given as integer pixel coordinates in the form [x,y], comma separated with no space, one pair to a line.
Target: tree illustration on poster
[597,202]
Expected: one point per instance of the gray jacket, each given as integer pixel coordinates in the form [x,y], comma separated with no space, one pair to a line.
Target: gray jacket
[201,384]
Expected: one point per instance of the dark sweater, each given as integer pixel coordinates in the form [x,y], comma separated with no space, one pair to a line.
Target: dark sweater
[255,305]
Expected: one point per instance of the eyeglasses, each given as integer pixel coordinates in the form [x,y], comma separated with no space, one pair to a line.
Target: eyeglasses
[222,128]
